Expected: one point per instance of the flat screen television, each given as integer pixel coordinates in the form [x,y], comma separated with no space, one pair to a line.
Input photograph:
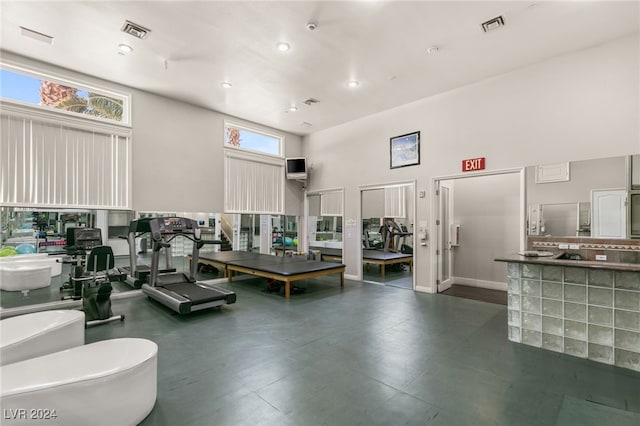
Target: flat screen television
[296,168]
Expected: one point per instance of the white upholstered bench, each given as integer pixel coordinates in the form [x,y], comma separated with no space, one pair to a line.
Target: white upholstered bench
[40,333]
[111,382]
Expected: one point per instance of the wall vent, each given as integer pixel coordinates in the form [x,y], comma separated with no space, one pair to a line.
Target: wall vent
[36,35]
[493,24]
[138,31]
[311,101]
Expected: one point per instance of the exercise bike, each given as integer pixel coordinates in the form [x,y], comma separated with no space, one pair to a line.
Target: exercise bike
[95,285]
[79,242]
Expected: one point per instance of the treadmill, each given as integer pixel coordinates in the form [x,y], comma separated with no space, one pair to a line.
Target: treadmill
[136,275]
[177,290]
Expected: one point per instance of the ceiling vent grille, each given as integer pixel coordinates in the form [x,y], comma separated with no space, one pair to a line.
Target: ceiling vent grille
[493,24]
[138,31]
[36,35]
[311,101]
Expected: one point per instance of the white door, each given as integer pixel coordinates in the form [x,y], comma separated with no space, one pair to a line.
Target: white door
[444,250]
[609,213]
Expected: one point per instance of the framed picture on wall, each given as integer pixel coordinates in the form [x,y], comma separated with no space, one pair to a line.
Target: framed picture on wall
[405,150]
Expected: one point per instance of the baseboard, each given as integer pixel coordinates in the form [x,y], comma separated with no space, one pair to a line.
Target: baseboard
[350,277]
[472,282]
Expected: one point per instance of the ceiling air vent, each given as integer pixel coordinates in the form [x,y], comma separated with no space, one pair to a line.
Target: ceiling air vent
[311,101]
[493,24]
[138,31]
[36,35]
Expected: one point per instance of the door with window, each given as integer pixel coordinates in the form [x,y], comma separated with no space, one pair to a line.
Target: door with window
[444,251]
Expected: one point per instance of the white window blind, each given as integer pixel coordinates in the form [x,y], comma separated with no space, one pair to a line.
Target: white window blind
[44,163]
[253,184]
[395,202]
[331,203]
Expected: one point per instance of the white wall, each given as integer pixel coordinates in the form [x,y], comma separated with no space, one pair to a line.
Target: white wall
[602,173]
[574,107]
[488,211]
[373,203]
[177,149]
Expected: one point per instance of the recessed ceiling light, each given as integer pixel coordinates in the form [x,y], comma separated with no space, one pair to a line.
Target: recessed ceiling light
[293,108]
[353,83]
[125,48]
[433,49]
[225,84]
[282,46]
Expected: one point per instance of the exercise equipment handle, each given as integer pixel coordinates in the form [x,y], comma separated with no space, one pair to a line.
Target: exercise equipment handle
[157,245]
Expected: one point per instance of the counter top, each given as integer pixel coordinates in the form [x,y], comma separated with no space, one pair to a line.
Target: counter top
[588,264]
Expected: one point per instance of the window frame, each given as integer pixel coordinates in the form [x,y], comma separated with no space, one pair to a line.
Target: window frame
[78,84]
[235,124]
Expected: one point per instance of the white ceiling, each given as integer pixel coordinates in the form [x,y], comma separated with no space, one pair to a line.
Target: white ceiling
[382,44]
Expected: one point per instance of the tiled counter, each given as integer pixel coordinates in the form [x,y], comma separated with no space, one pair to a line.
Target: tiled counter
[586,309]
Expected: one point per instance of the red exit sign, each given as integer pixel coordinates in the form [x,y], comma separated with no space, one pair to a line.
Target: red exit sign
[473,164]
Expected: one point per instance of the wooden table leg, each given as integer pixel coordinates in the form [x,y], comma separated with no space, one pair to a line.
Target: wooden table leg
[287,289]
[341,279]
[382,270]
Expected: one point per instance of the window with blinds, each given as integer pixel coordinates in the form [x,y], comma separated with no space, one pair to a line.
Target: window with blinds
[253,184]
[395,202]
[51,163]
[331,203]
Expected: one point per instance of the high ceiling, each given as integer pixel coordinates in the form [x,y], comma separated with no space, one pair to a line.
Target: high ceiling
[194,46]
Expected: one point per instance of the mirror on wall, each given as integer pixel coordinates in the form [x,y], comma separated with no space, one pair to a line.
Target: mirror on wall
[259,233]
[37,238]
[590,199]
[36,259]
[324,225]
[387,235]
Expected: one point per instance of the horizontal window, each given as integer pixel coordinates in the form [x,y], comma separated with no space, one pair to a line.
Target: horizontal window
[47,92]
[240,137]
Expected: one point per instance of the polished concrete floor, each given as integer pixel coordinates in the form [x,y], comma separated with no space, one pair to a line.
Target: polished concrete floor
[364,355]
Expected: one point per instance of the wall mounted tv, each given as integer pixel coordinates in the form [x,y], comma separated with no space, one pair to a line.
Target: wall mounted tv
[296,168]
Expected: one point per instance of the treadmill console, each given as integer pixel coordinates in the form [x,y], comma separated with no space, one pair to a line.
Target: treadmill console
[173,225]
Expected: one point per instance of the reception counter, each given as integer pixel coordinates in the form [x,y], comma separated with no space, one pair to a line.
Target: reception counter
[588,309]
